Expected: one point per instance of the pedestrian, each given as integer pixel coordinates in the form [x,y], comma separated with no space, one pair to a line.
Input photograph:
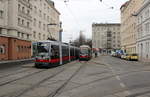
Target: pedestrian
[95,54]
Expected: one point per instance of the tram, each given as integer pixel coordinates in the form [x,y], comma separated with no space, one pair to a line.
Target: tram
[53,53]
[85,53]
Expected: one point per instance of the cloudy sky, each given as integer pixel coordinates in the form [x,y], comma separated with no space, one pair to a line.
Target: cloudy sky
[78,15]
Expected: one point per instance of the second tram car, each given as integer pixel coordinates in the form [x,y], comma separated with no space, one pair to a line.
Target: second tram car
[85,53]
[53,53]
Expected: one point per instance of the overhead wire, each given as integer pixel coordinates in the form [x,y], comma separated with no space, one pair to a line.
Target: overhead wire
[74,17]
[71,12]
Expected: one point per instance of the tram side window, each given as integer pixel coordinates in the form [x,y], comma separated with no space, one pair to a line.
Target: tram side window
[65,51]
[72,52]
[55,51]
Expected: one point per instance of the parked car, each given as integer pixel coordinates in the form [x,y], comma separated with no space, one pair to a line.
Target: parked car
[113,54]
[119,53]
[132,57]
[124,56]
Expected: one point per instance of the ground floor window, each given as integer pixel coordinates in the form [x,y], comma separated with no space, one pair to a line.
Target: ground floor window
[2,49]
[0,30]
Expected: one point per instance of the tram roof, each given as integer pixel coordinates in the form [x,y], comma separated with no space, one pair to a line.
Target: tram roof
[85,46]
[57,43]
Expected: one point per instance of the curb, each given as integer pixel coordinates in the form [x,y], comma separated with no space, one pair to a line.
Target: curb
[11,63]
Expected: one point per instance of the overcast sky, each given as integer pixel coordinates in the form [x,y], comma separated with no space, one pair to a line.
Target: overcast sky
[78,15]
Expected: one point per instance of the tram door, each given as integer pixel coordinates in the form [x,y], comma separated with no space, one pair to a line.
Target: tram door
[55,54]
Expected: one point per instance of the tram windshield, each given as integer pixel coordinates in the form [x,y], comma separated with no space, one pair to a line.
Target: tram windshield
[84,51]
[43,49]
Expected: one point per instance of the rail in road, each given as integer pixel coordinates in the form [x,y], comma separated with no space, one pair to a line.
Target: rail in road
[22,92]
[57,91]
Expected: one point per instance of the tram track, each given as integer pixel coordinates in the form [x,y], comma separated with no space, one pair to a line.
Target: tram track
[22,92]
[14,73]
[40,82]
[59,89]
[37,84]
[8,82]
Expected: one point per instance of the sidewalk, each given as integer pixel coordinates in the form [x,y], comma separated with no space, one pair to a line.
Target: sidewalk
[11,63]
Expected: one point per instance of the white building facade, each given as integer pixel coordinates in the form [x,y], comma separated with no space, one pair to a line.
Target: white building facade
[106,36]
[3,17]
[15,18]
[45,20]
[143,31]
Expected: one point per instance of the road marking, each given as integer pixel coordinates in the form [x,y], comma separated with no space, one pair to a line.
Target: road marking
[122,85]
[118,78]
[127,93]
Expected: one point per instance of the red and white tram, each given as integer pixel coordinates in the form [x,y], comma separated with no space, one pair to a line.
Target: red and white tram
[53,53]
[85,53]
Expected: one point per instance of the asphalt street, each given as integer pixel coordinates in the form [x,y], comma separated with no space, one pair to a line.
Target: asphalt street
[104,76]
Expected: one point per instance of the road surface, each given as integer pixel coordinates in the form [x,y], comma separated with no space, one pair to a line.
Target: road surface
[104,76]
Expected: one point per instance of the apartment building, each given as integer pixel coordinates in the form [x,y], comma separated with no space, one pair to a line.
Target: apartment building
[45,19]
[24,21]
[128,25]
[143,31]
[15,29]
[106,36]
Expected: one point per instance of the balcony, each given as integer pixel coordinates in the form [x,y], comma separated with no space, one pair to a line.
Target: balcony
[24,15]
[26,3]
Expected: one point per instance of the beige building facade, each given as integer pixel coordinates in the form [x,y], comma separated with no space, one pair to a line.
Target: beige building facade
[128,25]
[16,18]
[15,29]
[19,20]
[29,19]
[106,36]
[143,31]
[45,19]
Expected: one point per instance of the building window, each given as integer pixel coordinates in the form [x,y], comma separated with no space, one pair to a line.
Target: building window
[22,22]
[22,35]
[44,6]
[28,36]
[40,13]
[18,48]
[28,12]
[1,13]
[147,25]
[28,24]
[39,24]
[34,22]
[19,6]
[23,9]
[48,18]
[0,30]
[39,35]
[44,27]
[44,16]
[43,36]
[18,34]
[34,34]
[18,21]
[48,9]
[35,9]
[2,49]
